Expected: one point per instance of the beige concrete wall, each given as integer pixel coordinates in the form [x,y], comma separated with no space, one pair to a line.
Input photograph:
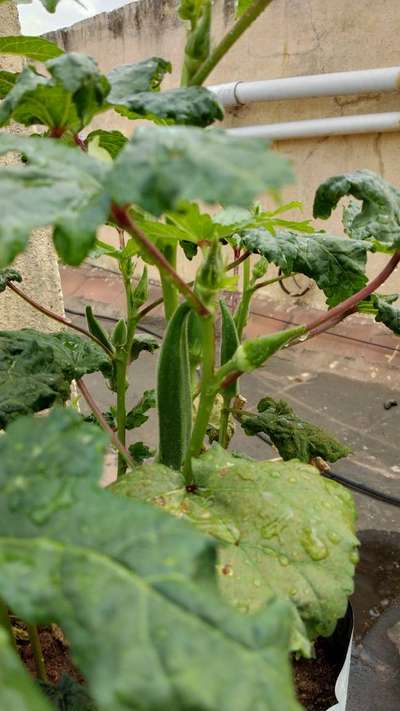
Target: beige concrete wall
[292,37]
[38,264]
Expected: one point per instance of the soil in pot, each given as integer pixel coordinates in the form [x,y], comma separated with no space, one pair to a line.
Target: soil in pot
[315,679]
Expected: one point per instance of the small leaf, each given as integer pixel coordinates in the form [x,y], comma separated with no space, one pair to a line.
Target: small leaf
[17,688]
[137,416]
[68,695]
[36,369]
[227,169]
[195,106]
[383,309]
[379,216]
[293,437]
[143,342]
[337,265]
[131,79]
[36,48]
[139,579]
[112,141]
[139,452]
[7,275]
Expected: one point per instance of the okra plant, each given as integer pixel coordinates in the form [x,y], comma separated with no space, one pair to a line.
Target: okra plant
[187,582]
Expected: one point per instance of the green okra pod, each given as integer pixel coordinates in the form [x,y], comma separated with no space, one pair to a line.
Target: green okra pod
[229,344]
[96,329]
[174,401]
[119,334]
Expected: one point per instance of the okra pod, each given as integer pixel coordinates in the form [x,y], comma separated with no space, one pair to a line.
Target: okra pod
[174,401]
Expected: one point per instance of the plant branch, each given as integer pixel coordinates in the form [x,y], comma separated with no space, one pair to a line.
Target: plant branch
[157,302]
[339,312]
[37,652]
[268,282]
[56,317]
[123,219]
[79,142]
[101,420]
[240,26]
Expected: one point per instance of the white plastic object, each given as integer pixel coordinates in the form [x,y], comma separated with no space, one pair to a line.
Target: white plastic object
[334,126]
[236,93]
[342,683]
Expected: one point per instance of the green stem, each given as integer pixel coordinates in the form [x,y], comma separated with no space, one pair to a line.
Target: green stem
[224,422]
[170,292]
[208,392]
[124,220]
[240,26]
[242,312]
[37,652]
[5,622]
[120,376]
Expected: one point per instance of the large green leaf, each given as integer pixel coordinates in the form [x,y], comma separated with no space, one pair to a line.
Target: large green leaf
[195,106]
[164,165]
[36,369]
[36,48]
[379,217]
[132,587]
[284,530]
[58,186]
[293,437]
[17,689]
[337,265]
[382,307]
[75,92]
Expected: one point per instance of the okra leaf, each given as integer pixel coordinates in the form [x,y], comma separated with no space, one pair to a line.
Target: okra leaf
[137,416]
[17,688]
[383,309]
[143,342]
[139,452]
[379,216]
[36,48]
[41,193]
[68,695]
[142,580]
[69,99]
[194,105]
[284,531]
[111,141]
[129,79]
[7,81]
[36,369]
[337,265]
[7,275]
[186,163]
[293,437]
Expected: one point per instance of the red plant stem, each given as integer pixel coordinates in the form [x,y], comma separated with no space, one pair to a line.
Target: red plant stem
[125,221]
[56,132]
[79,142]
[102,421]
[54,316]
[343,309]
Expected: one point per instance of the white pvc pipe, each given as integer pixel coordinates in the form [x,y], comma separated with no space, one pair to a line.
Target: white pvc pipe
[340,125]
[337,84]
